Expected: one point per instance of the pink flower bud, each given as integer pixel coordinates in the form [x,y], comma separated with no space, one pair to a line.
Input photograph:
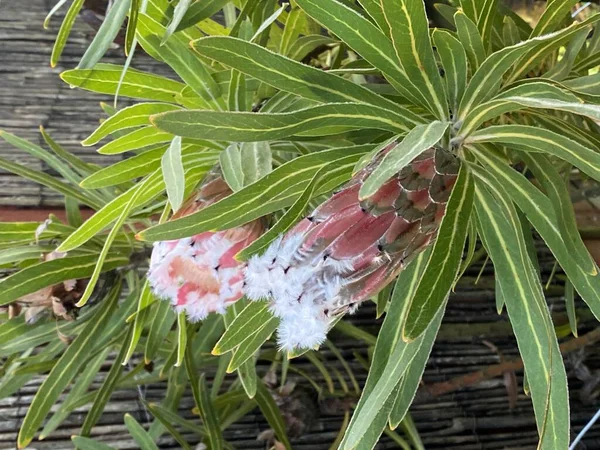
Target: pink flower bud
[347,250]
[199,274]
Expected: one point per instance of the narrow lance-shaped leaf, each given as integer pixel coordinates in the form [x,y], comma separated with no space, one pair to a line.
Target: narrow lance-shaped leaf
[471,40]
[486,81]
[409,30]
[49,273]
[286,74]
[556,189]
[385,388]
[390,334]
[540,213]
[230,161]
[414,143]
[454,61]
[178,13]
[64,31]
[104,79]
[141,436]
[274,191]
[66,368]
[132,116]
[271,411]
[106,34]
[204,403]
[554,13]
[89,289]
[250,127]
[443,266]
[528,138]
[173,173]
[366,39]
[176,52]
[528,313]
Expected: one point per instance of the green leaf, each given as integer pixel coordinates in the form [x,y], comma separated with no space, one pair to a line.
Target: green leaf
[274,191]
[411,380]
[553,42]
[28,252]
[249,346]
[108,386]
[487,80]
[132,116]
[589,85]
[101,257]
[570,307]
[66,368]
[454,61]
[84,443]
[137,140]
[104,79]
[168,424]
[145,299]
[173,173]
[79,388]
[243,327]
[230,161]
[471,40]
[293,28]
[74,161]
[162,322]
[36,151]
[515,99]
[366,39]
[554,14]
[556,189]
[528,138]
[176,52]
[182,337]
[50,182]
[113,209]
[139,434]
[271,412]
[443,266]
[563,68]
[292,215]
[49,273]
[178,13]
[390,335]
[106,34]
[307,44]
[409,29]
[64,31]
[200,11]
[419,139]
[385,388]
[204,403]
[540,213]
[510,32]
[249,127]
[286,74]
[528,312]
[145,163]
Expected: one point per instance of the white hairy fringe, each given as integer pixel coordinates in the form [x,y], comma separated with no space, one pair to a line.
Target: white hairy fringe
[300,289]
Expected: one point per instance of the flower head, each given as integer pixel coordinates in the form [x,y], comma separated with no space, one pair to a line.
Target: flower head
[347,250]
[199,274]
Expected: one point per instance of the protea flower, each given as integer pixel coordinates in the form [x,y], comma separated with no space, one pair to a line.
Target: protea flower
[348,250]
[199,274]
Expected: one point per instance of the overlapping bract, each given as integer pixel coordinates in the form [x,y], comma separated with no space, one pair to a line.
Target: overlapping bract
[347,250]
[199,274]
